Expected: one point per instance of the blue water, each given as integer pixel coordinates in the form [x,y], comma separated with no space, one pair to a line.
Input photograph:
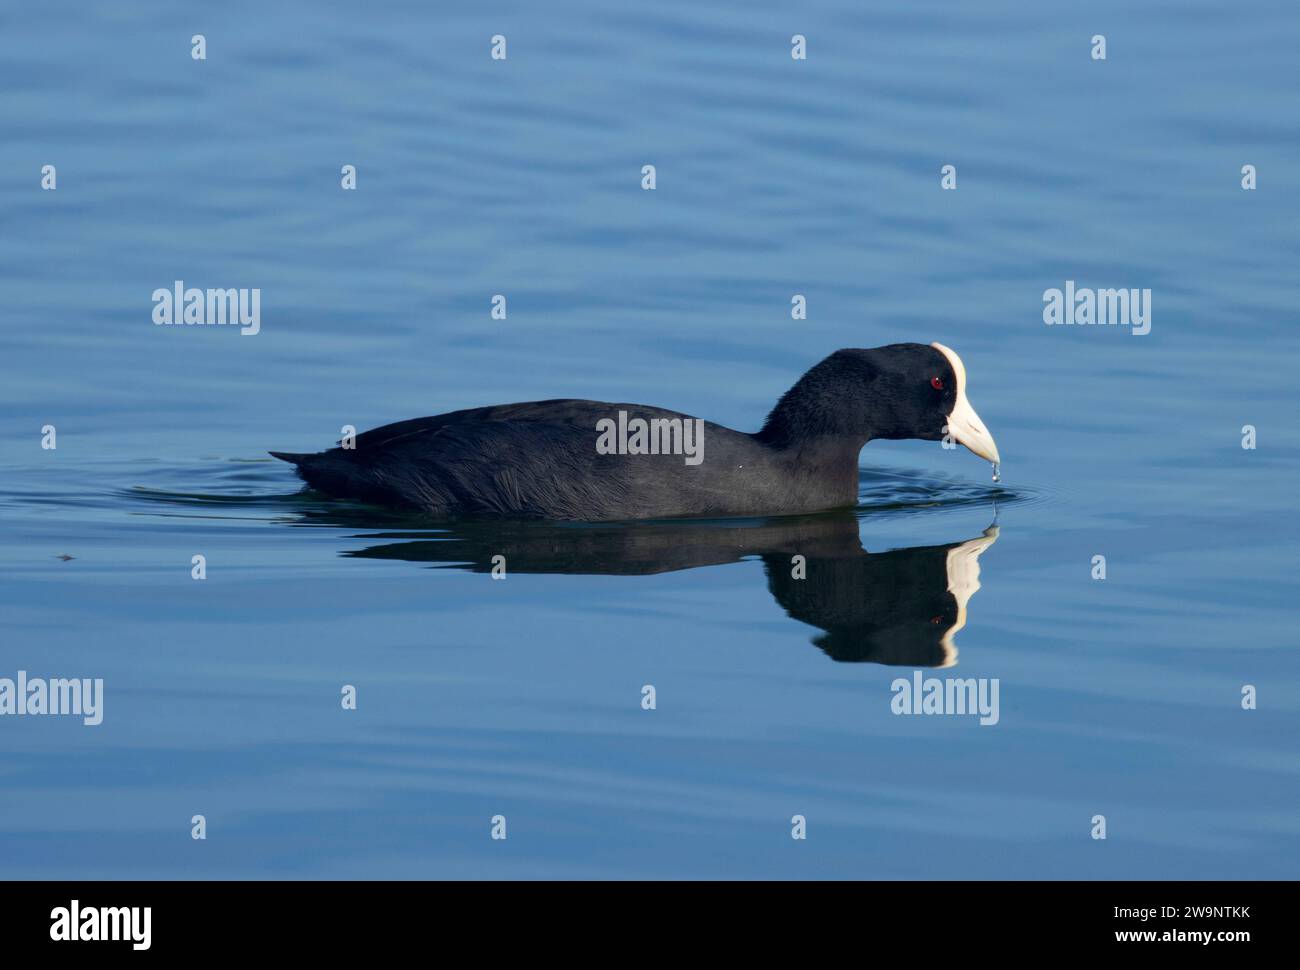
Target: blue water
[522,697]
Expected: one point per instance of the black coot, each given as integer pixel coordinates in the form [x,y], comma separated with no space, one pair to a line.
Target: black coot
[595,461]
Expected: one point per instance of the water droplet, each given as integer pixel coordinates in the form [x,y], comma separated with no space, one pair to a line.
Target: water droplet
[997,472]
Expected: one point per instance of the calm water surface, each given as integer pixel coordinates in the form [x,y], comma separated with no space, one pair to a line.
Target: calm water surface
[522,697]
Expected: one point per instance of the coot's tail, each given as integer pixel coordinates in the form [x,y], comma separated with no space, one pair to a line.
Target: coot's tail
[293,458]
[330,472]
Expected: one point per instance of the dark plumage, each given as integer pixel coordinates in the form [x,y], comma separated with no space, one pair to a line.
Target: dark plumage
[541,459]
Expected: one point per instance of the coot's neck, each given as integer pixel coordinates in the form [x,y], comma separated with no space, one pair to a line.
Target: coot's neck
[820,425]
[828,411]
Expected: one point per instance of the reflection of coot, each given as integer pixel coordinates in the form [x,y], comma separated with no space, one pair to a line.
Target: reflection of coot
[898,607]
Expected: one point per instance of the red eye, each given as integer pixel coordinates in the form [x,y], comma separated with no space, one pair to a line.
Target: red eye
[936,383]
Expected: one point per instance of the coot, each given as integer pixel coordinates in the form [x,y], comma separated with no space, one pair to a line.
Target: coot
[594,461]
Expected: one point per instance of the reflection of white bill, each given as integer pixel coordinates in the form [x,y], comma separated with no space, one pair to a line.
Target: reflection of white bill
[963,581]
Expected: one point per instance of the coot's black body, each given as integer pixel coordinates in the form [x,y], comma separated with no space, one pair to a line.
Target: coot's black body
[541,459]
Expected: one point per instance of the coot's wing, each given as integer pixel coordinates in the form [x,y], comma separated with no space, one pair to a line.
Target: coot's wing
[553,411]
[513,468]
[535,459]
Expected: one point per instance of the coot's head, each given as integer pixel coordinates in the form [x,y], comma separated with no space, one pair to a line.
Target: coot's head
[898,391]
[942,384]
